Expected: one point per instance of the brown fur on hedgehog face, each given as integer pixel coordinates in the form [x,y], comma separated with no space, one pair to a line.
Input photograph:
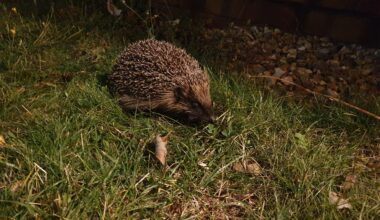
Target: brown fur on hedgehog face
[194,104]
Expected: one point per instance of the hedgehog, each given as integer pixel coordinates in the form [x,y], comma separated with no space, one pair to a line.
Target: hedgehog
[156,75]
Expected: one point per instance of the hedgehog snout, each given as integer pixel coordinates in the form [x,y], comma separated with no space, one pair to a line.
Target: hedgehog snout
[200,117]
[212,119]
[204,119]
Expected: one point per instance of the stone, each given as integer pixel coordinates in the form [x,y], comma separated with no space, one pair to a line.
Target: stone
[323,51]
[278,72]
[292,53]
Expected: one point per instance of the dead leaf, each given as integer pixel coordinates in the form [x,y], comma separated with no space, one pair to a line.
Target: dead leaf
[254,168]
[374,163]
[322,83]
[348,183]
[287,80]
[239,167]
[2,140]
[58,201]
[112,9]
[17,185]
[160,150]
[203,164]
[14,10]
[319,89]
[332,93]
[340,202]
[251,167]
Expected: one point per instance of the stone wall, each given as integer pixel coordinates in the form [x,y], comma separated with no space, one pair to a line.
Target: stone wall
[355,21]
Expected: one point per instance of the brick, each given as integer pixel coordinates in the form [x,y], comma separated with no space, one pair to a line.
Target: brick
[273,14]
[350,29]
[348,20]
[338,4]
[317,23]
[296,1]
[169,3]
[235,9]
[214,6]
[369,7]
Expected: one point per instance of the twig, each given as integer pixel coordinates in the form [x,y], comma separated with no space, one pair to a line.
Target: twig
[324,95]
[134,12]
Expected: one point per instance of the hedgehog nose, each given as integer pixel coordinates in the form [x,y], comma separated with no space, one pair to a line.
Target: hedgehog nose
[212,119]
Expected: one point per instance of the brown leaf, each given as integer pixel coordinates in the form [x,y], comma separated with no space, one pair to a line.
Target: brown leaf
[322,83]
[238,167]
[374,163]
[17,185]
[251,167]
[319,89]
[58,201]
[348,183]
[2,140]
[340,202]
[332,93]
[160,150]
[203,164]
[112,9]
[287,80]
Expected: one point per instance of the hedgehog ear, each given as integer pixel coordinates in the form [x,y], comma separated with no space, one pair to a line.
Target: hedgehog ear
[179,94]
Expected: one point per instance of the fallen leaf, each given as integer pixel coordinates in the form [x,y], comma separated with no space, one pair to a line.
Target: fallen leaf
[322,83]
[160,150]
[340,202]
[13,31]
[254,168]
[2,140]
[203,164]
[287,80]
[14,10]
[374,163]
[319,89]
[112,9]
[238,167]
[251,167]
[292,53]
[332,93]
[17,185]
[348,183]
[58,201]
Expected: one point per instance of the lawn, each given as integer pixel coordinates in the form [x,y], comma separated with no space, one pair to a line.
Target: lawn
[70,152]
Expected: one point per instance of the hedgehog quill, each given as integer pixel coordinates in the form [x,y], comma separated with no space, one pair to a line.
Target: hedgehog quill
[156,75]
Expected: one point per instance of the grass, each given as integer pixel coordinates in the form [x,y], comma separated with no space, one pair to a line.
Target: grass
[72,153]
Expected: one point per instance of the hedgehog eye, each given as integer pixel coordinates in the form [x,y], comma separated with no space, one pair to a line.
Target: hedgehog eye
[179,94]
[195,104]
